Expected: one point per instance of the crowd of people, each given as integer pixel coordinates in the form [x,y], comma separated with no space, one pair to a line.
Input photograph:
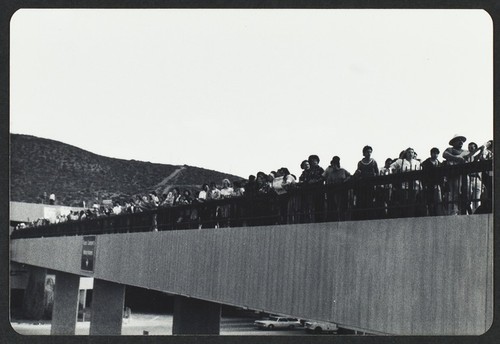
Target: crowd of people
[441,195]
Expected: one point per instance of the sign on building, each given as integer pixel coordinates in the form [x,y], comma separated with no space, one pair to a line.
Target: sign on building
[88,253]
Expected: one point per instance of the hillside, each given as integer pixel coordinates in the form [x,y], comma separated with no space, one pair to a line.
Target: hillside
[74,175]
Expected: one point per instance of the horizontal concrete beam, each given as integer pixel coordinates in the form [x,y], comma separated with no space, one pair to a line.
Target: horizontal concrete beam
[428,275]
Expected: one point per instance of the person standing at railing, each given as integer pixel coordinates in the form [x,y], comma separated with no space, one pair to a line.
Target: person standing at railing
[334,174]
[455,155]
[238,212]
[487,180]
[296,202]
[238,189]
[226,191]
[250,186]
[214,193]
[204,212]
[147,203]
[154,199]
[432,184]
[187,216]
[313,204]
[223,210]
[305,167]
[260,205]
[383,195]
[336,200]
[185,197]
[408,192]
[203,193]
[474,182]
[314,174]
[367,167]
[168,200]
[487,177]
[261,184]
[117,209]
[284,181]
[406,164]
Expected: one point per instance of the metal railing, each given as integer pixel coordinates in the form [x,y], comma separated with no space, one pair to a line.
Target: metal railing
[447,190]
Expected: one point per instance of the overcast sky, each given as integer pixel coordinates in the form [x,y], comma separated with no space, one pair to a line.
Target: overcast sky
[241,91]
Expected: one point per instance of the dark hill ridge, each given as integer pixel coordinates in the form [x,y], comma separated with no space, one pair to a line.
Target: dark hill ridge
[74,175]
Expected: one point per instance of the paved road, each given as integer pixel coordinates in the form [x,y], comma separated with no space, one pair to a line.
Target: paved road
[157,325]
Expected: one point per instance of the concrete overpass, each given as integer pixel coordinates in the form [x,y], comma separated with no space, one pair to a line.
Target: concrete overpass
[411,276]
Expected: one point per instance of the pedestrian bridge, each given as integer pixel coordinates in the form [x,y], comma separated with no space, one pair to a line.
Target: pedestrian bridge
[409,276]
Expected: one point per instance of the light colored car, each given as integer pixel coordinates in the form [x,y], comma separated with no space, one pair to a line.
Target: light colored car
[320,327]
[277,322]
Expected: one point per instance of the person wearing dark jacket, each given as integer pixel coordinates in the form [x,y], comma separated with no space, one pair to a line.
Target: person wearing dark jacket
[432,184]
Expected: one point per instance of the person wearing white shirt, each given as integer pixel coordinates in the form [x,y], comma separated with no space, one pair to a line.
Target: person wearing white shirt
[117,209]
[226,190]
[409,190]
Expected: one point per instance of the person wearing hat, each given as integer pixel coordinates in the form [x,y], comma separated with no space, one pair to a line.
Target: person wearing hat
[456,155]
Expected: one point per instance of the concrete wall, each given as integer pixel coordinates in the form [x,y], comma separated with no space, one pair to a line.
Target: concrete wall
[402,276]
[25,212]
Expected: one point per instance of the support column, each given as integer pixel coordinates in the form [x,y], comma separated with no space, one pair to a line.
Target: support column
[108,300]
[65,310]
[193,316]
[34,295]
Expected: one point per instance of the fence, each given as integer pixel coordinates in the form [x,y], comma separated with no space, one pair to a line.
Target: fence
[447,190]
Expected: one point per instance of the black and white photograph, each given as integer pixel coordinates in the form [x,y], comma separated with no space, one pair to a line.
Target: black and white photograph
[308,173]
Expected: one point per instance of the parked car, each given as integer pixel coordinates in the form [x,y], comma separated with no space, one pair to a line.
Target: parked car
[320,327]
[277,322]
